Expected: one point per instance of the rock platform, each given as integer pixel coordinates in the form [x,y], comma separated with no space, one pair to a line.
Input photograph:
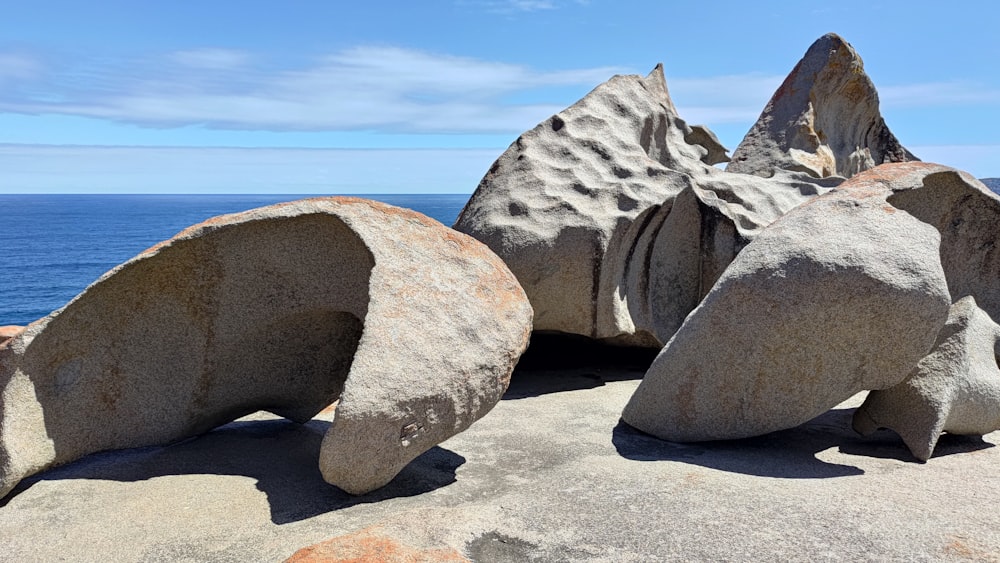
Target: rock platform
[551,474]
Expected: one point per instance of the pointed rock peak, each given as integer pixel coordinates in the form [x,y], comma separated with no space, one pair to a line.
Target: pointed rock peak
[824,120]
[656,83]
[711,150]
[828,46]
[830,54]
[656,77]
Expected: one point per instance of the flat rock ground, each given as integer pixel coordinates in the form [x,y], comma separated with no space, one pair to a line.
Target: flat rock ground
[549,475]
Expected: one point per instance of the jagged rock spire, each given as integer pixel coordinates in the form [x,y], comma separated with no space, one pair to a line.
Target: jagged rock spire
[824,120]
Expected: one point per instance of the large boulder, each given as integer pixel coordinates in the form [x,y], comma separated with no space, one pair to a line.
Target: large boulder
[966,213]
[613,217]
[844,293]
[963,210]
[824,120]
[955,388]
[415,328]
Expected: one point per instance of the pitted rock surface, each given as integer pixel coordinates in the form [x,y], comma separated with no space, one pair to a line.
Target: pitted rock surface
[613,218]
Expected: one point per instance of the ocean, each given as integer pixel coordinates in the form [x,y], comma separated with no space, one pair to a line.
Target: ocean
[54,246]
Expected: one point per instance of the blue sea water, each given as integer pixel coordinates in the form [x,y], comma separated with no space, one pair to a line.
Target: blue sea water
[54,246]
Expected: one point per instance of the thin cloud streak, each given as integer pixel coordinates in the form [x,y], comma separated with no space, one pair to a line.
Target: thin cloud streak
[366,88]
[374,88]
[510,6]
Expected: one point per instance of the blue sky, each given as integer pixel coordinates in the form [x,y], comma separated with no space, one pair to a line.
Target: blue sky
[393,97]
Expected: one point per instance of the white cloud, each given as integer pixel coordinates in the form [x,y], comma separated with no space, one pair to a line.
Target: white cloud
[530,5]
[373,88]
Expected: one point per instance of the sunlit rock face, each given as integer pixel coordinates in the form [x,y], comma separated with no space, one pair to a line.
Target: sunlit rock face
[955,388]
[842,294]
[613,217]
[824,120]
[845,293]
[413,327]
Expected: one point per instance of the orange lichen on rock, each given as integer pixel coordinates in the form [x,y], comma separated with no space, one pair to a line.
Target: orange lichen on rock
[369,546]
[892,173]
[8,333]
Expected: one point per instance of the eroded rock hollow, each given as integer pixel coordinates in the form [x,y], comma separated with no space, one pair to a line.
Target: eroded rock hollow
[413,327]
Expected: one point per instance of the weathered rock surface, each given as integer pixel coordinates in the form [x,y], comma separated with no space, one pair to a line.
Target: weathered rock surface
[414,327]
[824,120]
[965,212]
[550,475]
[613,218]
[842,294]
[955,388]
[372,545]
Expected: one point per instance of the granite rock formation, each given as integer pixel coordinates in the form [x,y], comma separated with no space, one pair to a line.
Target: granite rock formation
[415,328]
[613,217]
[824,120]
[842,294]
[955,388]
[966,213]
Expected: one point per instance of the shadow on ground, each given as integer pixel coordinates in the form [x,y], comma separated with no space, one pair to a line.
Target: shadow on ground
[280,455]
[790,454]
[555,363]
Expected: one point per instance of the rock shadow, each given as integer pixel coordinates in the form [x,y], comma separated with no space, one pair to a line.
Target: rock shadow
[280,455]
[789,454]
[886,444]
[557,362]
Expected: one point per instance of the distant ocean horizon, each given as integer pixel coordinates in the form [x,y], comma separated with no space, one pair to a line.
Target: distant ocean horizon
[52,246]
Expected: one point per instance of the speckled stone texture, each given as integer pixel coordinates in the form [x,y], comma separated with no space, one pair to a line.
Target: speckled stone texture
[955,388]
[372,545]
[843,294]
[415,328]
[824,120]
[613,217]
